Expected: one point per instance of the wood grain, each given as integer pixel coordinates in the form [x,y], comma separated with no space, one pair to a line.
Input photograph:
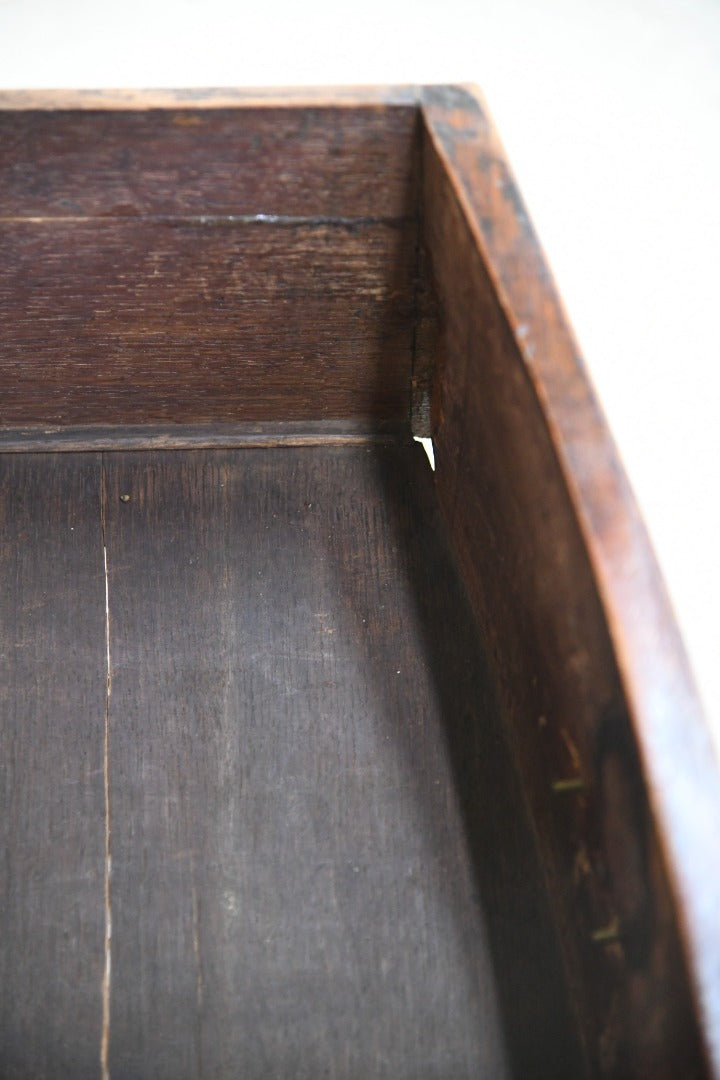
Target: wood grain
[207,265]
[315,162]
[52,826]
[585,652]
[322,861]
[133,321]
[349,837]
[62,439]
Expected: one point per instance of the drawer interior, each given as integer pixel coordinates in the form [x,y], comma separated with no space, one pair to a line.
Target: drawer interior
[315,761]
[315,853]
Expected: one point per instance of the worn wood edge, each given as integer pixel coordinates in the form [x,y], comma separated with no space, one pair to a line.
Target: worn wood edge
[57,439]
[211,98]
[227,221]
[677,755]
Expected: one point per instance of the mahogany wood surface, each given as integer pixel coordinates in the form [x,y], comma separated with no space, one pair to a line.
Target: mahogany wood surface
[593,676]
[303,275]
[325,162]
[134,321]
[207,266]
[320,859]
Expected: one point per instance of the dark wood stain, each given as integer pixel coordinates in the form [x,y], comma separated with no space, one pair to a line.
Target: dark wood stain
[52,710]
[188,322]
[321,856]
[327,162]
[519,537]
[319,846]
[353,831]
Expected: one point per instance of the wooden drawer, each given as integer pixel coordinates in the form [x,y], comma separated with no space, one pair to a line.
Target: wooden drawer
[316,761]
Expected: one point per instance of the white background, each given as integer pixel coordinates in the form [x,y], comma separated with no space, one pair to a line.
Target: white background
[610,113]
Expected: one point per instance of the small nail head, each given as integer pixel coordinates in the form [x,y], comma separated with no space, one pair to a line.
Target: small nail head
[125,498]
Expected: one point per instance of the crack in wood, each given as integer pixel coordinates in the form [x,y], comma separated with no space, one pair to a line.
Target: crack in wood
[105,985]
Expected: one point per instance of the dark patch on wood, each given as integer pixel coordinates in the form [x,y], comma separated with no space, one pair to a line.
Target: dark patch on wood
[52,710]
[448,98]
